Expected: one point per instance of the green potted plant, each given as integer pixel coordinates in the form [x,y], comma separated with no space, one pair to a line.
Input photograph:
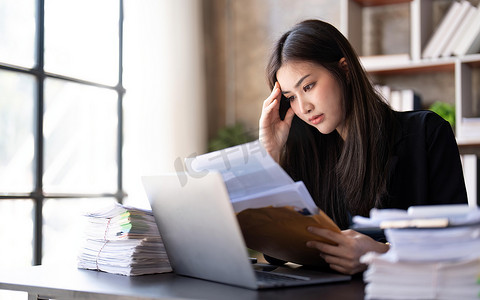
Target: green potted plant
[230,136]
[445,110]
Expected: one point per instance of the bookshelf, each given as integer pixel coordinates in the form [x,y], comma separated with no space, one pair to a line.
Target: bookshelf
[410,69]
[460,70]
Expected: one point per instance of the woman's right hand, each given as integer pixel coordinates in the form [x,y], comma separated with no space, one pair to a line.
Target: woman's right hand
[273,132]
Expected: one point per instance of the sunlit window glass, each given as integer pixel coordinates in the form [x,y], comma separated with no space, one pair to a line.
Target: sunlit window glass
[64,221]
[16,233]
[16,132]
[81,39]
[80,125]
[17,32]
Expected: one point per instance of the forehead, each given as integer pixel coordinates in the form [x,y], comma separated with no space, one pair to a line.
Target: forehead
[291,71]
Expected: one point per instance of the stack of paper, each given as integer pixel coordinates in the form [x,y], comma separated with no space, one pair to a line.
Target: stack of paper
[123,240]
[425,245]
[388,278]
[434,253]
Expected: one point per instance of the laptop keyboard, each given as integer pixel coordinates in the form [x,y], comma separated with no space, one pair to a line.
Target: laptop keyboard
[268,277]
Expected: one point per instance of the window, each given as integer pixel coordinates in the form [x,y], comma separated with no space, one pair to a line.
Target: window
[61,122]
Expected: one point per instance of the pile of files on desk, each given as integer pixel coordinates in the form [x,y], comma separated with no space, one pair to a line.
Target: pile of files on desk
[434,253]
[123,240]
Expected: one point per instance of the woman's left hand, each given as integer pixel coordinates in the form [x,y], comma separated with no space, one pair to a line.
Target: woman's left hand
[351,245]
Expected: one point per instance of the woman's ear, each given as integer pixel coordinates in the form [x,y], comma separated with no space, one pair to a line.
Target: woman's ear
[342,63]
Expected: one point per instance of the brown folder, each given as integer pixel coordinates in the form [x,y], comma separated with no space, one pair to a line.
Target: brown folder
[281,232]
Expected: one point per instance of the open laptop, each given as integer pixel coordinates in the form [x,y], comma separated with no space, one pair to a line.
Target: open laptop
[202,237]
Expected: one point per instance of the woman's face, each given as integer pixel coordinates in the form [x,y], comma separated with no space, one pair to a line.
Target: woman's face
[314,95]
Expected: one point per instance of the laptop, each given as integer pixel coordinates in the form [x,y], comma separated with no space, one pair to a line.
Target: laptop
[202,237]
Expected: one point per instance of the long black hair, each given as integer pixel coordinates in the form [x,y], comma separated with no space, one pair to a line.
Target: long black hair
[343,177]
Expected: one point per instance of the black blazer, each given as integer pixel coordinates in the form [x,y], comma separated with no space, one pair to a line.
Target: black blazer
[425,167]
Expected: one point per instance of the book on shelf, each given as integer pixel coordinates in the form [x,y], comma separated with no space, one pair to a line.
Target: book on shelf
[395,100]
[400,100]
[384,91]
[410,100]
[471,173]
[459,33]
[469,43]
[123,240]
[451,29]
[272,209]
[439,32]
[469,129]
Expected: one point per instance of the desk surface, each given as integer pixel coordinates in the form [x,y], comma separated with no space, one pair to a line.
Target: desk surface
[71,283]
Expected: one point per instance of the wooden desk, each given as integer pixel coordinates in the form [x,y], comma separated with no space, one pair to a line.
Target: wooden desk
[42,282]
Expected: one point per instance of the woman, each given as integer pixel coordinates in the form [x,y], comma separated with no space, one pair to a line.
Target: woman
[325,124]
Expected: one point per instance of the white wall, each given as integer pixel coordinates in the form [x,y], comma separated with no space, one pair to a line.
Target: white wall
[164,77]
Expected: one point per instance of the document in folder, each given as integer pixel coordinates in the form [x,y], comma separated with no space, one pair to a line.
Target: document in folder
[273,211]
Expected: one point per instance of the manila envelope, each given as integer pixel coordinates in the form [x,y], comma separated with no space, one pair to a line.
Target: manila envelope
[281,232]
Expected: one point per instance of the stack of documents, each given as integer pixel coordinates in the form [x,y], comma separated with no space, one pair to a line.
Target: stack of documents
[123,240]
[434,253]
[387,278]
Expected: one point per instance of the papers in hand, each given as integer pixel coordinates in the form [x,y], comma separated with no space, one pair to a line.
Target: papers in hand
[123,240]
[267,202]
[253,179]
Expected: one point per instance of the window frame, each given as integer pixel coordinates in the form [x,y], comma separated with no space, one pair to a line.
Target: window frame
[38,194]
